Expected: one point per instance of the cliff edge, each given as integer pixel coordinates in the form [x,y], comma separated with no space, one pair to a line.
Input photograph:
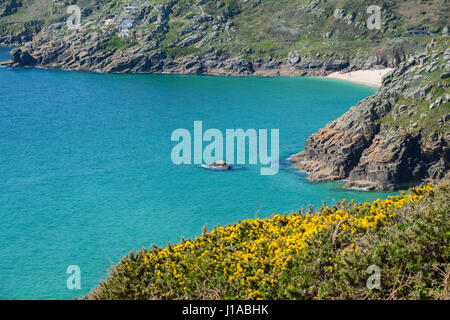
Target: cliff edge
[393,139]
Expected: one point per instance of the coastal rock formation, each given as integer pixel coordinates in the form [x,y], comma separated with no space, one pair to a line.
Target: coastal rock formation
[22,58]
[390,140]
[333,152]
[75,53]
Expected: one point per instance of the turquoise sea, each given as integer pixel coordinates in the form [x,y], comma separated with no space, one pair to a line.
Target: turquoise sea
[86,174]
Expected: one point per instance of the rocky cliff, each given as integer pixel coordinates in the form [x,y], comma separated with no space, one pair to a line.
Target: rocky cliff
[393,139]
[230,37]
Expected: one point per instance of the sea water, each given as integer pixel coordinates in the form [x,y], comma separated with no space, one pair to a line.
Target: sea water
[86,173]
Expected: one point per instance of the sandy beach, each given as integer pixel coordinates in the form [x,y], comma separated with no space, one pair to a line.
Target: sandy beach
[368,77]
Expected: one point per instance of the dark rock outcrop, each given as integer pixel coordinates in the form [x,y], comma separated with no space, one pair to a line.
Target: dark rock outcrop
[9,7]
[22,58]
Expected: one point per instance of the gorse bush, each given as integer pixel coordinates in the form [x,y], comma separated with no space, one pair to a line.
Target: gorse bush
[320,255]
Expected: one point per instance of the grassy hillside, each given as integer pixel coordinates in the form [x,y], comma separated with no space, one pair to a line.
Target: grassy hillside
[303,255]
[278,27]
[257,28]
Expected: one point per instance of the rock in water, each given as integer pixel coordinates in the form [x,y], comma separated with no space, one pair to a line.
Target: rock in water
[218,165]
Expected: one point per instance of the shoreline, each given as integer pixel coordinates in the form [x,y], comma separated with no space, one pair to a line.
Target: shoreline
[371,77]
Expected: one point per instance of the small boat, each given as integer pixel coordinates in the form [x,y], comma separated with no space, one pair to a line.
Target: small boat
[217,165]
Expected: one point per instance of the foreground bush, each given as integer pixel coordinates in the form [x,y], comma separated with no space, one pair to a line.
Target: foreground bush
[316,255]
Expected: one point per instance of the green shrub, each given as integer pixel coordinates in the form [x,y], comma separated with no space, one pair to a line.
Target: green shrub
[176,52]
[116,43]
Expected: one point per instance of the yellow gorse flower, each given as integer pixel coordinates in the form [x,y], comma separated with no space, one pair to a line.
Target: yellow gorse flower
[255,253]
